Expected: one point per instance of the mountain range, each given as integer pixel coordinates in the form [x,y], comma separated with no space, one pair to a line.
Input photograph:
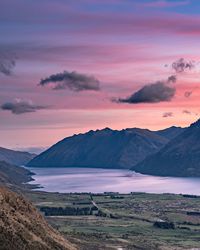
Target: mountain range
[15,157]
[105,148]
[179,157]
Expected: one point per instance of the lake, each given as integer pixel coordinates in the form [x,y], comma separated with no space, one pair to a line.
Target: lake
[67,180]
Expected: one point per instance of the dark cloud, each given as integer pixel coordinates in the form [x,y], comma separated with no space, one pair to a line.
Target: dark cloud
[187,94]
[167,114]
[172,79]
[20,107]
[187,112]
[181,65]
[6,65]
[71,80]
[151,93]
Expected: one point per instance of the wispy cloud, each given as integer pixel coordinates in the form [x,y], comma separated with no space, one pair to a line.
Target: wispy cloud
[71,80]
[187,94]
[187,112]
[167,114]
[19,107]
[181,65]
[7,64]
[165,3]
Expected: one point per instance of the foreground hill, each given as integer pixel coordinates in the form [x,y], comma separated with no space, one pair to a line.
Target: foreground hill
[15,157]
[22,227]
[180,157]
[101,149]
[13,176]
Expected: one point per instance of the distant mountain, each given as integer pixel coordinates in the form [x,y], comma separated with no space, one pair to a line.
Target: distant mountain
[15,157]
[13,176]
[170,133]
[23,227]
[101,149]
[180,157]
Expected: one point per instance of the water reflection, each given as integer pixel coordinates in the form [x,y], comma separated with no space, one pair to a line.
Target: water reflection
[67,180]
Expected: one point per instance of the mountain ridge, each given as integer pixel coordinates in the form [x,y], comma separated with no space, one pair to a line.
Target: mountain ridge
[179,157]
[105,148]
[15,157]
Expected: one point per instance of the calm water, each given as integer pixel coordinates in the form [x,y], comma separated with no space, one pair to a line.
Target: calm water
[67,180]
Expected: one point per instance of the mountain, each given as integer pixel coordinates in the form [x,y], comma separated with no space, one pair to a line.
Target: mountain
[15,157]
[170,133]
[104,148]
[180,157]
[23,227]
[13,176]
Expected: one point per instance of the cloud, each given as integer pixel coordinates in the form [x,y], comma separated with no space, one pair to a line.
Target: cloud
[187,94]
[160,91]
[6,65]
[167,114]
[172,79]
[187,112]
[71,80]
[181,65]
[19,107]
[165,4]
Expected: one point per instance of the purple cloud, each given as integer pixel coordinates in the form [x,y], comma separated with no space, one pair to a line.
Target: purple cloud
[19,107]
[167,114]
[181,65]
[160,91]
[71,80]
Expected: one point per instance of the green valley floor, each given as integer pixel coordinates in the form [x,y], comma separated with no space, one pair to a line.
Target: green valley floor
[117,221]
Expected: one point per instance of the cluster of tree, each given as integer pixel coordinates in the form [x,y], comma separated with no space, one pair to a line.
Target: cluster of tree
[164,225]
[62,211]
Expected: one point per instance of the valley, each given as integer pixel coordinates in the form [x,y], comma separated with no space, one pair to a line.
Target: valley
[123,221]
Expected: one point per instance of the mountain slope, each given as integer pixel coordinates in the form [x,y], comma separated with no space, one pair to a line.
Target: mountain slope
[13,176]
[101,149]
[170,133]
[180,157]
[22,227]
[15,157]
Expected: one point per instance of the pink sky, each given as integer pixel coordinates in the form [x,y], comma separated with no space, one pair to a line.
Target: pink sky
[125,45]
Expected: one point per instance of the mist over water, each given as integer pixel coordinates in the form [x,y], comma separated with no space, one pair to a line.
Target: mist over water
[66,180]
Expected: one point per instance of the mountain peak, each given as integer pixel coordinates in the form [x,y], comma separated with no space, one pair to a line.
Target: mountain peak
[196,124]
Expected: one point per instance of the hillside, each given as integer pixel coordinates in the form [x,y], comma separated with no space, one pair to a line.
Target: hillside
[13,176]
[22,227]
[101,149]
[180,157]
[170,133]
[15,157]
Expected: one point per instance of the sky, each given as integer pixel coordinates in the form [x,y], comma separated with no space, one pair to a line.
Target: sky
[70,66]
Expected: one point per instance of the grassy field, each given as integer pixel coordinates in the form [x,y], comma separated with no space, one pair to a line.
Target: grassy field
[125,221]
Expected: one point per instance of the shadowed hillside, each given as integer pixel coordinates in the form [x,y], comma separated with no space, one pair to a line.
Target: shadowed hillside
[102,149]
[13,176]
[15,157]
[180,157]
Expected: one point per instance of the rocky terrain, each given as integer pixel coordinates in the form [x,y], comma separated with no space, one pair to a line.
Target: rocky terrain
[23,227]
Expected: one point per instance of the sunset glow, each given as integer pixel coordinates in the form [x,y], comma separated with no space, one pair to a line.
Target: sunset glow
[67,66]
